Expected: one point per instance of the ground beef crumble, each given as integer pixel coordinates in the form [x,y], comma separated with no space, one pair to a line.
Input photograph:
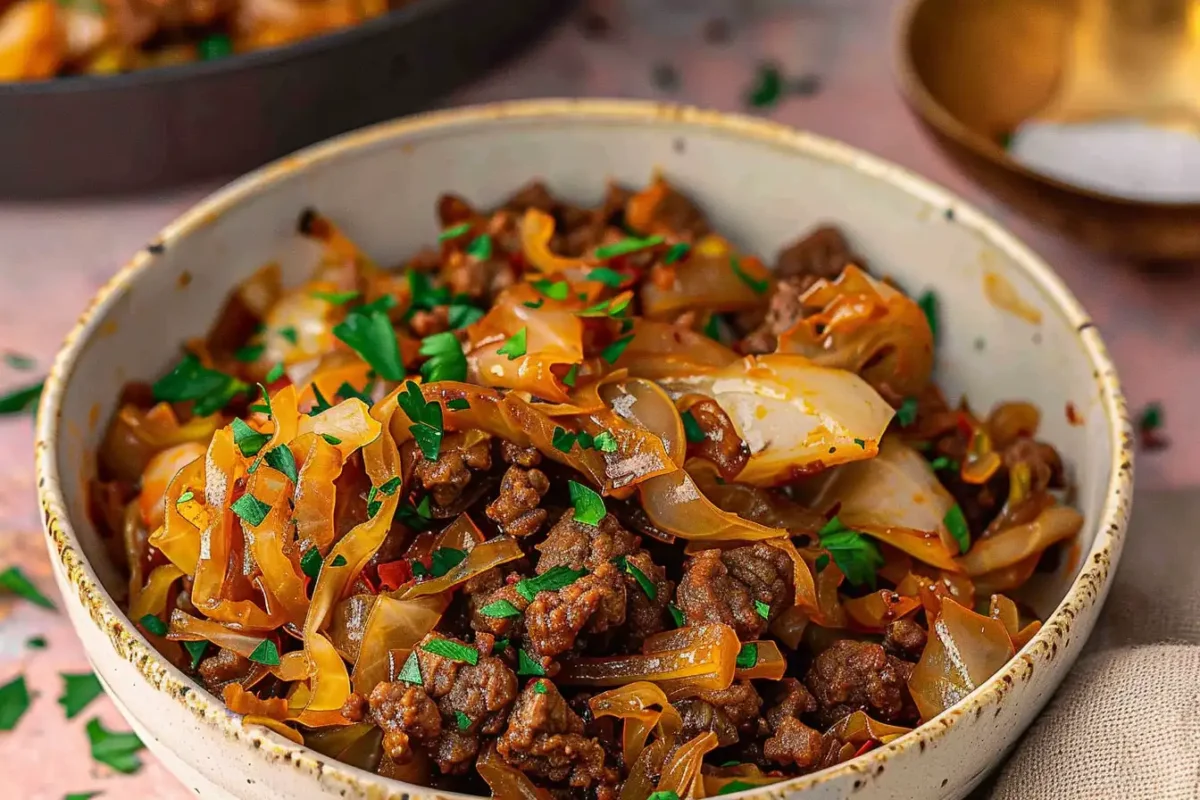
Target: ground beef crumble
[594,603]
[545,740]
[446,477]
[515,510]
[722,586]
[854,676]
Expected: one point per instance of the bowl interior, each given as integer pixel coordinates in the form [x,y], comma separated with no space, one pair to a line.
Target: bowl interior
[763,186]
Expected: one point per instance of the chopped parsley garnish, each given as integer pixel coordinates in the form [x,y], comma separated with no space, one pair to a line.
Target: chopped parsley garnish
[423,295]
[500,646]
[250,509]
[609,277]
[20,400]
[822,562]
[540,687]
[249,353]
[196,651]
[929,304]
[648,587]
[455,651]
[36,642]
[454,231]
[857,556]
[551,580]
[735,786]
[758,286]
[614,350]
[115,750]
[480,247]
[266,654]
[676,615]
[747,657]
[14,702]
[321,403]
[411,671]
[609,308]
[290,334]
[458,404]
[767,87]
[338,561]
[248,440]
[571,376]
[426,418]
[541,301]
[563,439]
[500,609]
[418,518]
[906,414]
[691,428]
[81,795]
[371,335]
[625,247]
[336,298]
[605,442]
[677,252]
[956,523]
[310,562]
[460,315]
[665,794]
[555,290]
[78,692]
[348,392]
[589,506]
[1151,418]
[390,486]
[861,443]
[373,505]
[190,380]
[18,361]
[331,439]
[154,625]
[527,665]
[14,580]
[462,720]
[446,361]
[941,462]
[712,328]
[762,609]
[514,348]
[445,559]
[275,374]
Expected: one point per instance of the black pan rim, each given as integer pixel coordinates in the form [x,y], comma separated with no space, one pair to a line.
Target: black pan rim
[179,73]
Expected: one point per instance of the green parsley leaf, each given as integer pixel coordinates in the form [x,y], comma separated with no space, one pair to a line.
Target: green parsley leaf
[281,459]
[336,298]
[185,497]
[424,295]
[371,335]
[426,418]
[712,328]
[36,643]
[191,380]
[589,506]
[446,361]
[480,248]
[605,442]
[13,580]
[571,376]
[290,334]
[1151,418]
[555,290]
[249,353]
[609,277]
[154,625]
[390,486]
[763,609]
[906,414]
[499,646]
[18,361]
[929,304]
[527,665]
[115,750]
[747,657]
[625,247]
[418,518]
[14,702]
[677,252]
[348,392]
[331,439]
[665,794]
[648,587]
[956,523]
[462,720]
[21,400]
[79,691]
[676,615]
[445,559]
[248,440]
[563,440]
[941,462]
[756,285]
[861,443]
[857,556]
[455,651]
[196,651]
[735,786]
[310,562]
[514,348]
[691,428]
[82,795]
[822,562]
[541,301]
[250,509]
[266,654]
[458,404]
[411,672]
[540,687]
[460,315]
[614,350]
[321,403]
[551,580]
[338,561]
[454,231]
[767,88]
[275,374]
[373,505]
[500,609]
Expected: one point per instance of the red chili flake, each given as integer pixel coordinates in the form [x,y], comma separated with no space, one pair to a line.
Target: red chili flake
[868,745]
[394,574]
[966,426]
[1073,414]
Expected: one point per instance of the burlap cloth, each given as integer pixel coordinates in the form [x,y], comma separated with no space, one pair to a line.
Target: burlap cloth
[1126,722]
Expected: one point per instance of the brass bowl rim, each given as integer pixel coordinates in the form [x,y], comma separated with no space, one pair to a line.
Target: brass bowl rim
[926,106]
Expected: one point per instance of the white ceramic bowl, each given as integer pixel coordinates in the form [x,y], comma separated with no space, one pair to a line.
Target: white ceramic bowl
[762,184]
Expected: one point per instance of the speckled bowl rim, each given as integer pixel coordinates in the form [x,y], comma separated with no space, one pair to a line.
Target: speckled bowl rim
[1088,588]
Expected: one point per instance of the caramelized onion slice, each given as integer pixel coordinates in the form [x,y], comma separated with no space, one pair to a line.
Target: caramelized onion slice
[505,781]
[858,729]
[1015,544]
[682,769]
[769,664]
[660,350]
[964,650]
[642,705]
[872,612]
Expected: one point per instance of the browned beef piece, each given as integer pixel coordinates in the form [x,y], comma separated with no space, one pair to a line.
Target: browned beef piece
[784,310]
[532,195]
[222,668]
[905,639]
[545,740]
[661,209]
[594,603]
[823,253]
[446,478]
[355,707]
[516,510]
[427,323]
[646,615]
[854,676]
[1045,465]
[792,699]
[408,718]
[793,742]
[722,586]
[521,456]
[573,544]
[721,445]
[503,627]
[726,713]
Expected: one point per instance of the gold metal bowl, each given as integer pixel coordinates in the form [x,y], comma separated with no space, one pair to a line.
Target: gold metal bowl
[974,70]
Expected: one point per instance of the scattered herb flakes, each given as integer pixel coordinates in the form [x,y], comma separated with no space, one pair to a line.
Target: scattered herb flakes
[36,643]
[677,252]
[331,439]
[540,687]
[605,442]
[767,88]
[250,509]
[460,315]
[196,651]
[21,400]
[423,295]
[390,486]
[418,518]
[676,615]
[80,690]
[712,328]
[500,609]
[555,290]
[248,440]
[822,562]
[691,428]
[458,404]
[275,374]
[956,523]
[735,786]
[321,403]
[426,419]
[563,439]
[190,380]
[348,392]
[480,248]
[1149,424]
[614,350]
[373,505]
[462,721]
[411,671]
[81,795]
[115,750]
[609,277]
[153,625]
[14,702]
[514,348]
[290,334]
[445,559]
[527,665]
[763,609]
[906,414]
[929,304]
[456,651]
[747,657]
[310,562]
[624,247]
[855,555]
[757,285]
[664,794]
[18,361]
[589,506]
[941,463]
[250,353]
[571,376]
[627,566]
[454,231]
[541,301]
[445,358]
[371,335]
[862,443]
[14,580]
[336,298]
[266,654]
[338,561]
[551,580]
[499,646]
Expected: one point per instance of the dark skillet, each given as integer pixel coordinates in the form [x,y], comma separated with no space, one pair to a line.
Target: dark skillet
[158,127]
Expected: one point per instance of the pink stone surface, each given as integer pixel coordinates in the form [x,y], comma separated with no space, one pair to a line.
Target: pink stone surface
[53,257]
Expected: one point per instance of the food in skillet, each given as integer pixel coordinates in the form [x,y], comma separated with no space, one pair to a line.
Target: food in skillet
[43,38]
[582,500]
